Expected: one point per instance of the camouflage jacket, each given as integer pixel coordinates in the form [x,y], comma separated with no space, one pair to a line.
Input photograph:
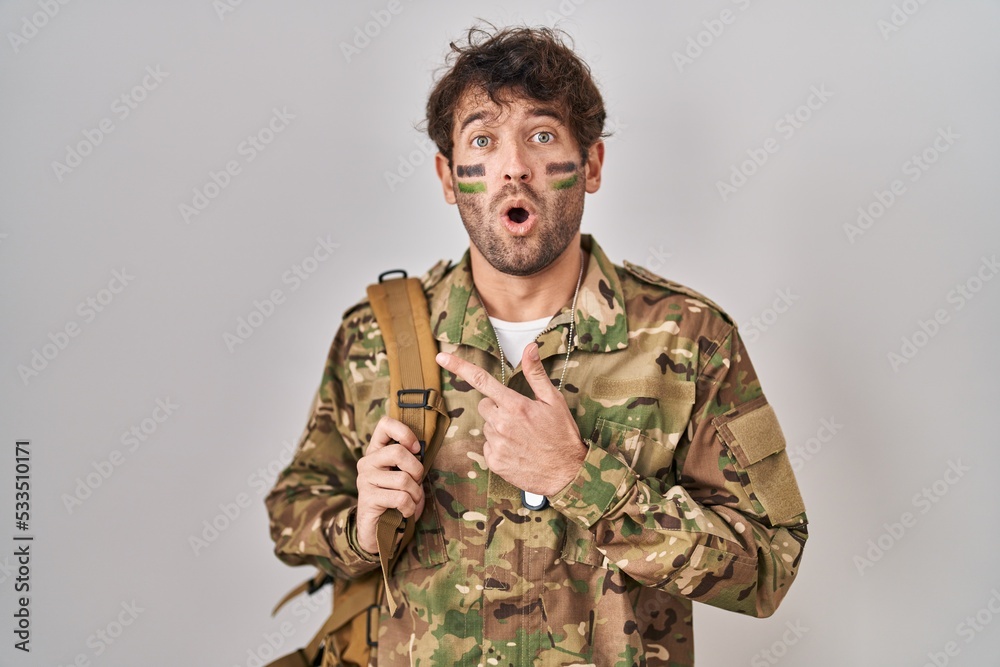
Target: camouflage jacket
[686,493]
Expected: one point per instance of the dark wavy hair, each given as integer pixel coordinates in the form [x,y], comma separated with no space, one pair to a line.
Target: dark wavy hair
[532,63]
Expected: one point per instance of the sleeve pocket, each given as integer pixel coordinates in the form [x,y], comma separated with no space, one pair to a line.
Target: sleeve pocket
[754,437]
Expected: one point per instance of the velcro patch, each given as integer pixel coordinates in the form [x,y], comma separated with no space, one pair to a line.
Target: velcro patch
[753,433]
[652,386]
[754,436]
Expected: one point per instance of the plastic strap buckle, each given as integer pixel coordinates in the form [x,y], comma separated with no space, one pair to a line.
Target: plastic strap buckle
[381,276]
[424,394]
[368,633]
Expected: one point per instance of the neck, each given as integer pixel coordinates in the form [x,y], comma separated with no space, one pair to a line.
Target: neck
[523,298]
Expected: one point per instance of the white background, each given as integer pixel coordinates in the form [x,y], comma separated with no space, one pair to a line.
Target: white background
[678,131]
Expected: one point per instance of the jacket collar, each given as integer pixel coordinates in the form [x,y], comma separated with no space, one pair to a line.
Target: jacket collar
[457,314]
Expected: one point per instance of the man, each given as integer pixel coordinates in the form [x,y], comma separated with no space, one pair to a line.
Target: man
[611,456]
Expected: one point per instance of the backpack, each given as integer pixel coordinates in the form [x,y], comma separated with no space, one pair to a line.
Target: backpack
[349,637]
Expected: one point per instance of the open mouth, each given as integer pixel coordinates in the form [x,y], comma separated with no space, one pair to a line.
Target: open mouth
[517,214]
[518,218]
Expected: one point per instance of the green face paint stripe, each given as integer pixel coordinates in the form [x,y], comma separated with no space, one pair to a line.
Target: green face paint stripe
[565,183]
[475,186]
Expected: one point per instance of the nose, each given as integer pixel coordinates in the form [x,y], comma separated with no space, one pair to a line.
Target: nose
[515,167]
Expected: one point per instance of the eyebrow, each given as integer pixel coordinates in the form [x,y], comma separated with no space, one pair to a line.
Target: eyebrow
[478,115]
[534,112]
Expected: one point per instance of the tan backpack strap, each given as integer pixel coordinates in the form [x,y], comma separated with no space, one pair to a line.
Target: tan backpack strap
[319,580]
[401,309]
[297,659]
[344,612]
[400,306]
[444,421]
[346,608]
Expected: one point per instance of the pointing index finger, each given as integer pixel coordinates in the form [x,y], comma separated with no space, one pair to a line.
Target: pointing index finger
[476,376]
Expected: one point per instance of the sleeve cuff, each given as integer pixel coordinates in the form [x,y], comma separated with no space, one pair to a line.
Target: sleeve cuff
[350,531]
[603,478]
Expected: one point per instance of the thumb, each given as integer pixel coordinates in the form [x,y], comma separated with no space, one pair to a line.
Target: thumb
[535,373]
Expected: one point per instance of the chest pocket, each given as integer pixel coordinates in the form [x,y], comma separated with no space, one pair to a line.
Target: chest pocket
[641,420]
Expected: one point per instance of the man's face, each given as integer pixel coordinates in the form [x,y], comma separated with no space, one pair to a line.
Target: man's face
[518,180]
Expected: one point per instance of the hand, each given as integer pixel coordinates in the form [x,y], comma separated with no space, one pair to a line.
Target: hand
[389,476]
[533,444]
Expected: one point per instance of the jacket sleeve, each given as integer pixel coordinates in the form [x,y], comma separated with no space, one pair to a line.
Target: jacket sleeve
[731,531]
[312,505]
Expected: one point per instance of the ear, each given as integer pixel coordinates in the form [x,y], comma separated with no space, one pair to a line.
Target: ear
[444,173]
[592,170]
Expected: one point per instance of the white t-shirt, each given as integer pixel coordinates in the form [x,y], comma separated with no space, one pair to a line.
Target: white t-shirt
[515,336]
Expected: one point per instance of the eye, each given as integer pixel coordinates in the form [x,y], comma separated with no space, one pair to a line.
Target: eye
[481,141]
[544,137]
